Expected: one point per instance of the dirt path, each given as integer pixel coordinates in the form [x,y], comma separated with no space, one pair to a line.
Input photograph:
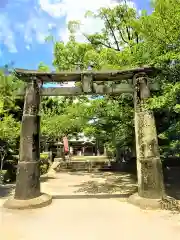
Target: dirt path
[76,215]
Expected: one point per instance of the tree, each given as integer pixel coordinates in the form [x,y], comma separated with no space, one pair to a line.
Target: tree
[160,31]
[9,126]
[9,133]
[43,68]
[118,31]
[129,40]
[72,55]
[69,121]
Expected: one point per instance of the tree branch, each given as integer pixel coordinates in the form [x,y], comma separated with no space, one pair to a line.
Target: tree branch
[122,37]
[112,32]
[137,37]
[98,42]
[119,30]
[128,33]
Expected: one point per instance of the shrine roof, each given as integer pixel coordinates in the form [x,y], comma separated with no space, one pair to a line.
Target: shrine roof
[107,75]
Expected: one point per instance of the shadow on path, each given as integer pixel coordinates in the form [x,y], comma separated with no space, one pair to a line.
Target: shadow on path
[45,178]
[172,182]
[108,183]
[92,196]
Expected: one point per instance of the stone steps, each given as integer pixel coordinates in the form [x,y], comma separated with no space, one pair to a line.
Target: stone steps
[80,165]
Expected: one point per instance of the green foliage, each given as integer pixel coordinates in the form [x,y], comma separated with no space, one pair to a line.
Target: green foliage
[44,163]
[68,118]
[71,56]
[44,156]
[43,68]
[8,175]
[129,40]
[9,127]
[8,88]
[118,28]
[126,40]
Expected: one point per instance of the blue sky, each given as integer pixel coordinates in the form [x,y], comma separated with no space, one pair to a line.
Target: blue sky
[24,24]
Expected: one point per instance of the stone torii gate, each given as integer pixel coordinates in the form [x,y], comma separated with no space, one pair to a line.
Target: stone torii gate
[134,81]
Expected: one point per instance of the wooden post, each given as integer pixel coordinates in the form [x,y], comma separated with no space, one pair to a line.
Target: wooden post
[27,192]
[149,167]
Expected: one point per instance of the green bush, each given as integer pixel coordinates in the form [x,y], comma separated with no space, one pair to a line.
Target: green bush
[44,156]
[9,173]
[44,163]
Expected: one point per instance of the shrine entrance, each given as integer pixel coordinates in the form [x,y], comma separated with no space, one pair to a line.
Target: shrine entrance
[137,82]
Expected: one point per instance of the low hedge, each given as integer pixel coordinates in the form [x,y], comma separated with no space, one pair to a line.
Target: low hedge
[9,173]
[44,163]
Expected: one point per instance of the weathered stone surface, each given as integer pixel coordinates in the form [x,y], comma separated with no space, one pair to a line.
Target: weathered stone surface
[41,201]
[28,183]
[109,75]
[151,178]
[96,89]
[144,203]
[87,83]
[149,167]
[29,141]
[87,89]
[28,172]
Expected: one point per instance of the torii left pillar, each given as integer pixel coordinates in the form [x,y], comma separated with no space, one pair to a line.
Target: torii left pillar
[27,192]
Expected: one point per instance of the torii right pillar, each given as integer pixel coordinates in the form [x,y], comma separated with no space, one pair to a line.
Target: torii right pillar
[149,166]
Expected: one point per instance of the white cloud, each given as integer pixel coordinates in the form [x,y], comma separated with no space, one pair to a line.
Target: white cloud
[36,28]
[53,9]
[40,36]
[75,10]
[38,25]
[28,47]
[51,26]
[72,9]
[10,42]
[6,34]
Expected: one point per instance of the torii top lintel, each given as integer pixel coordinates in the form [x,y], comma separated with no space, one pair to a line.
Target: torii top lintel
[110,75]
